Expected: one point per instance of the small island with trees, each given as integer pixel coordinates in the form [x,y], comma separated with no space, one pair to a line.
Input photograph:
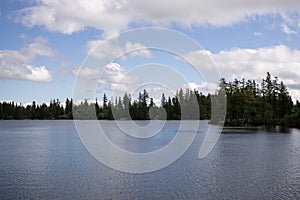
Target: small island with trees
[248,103]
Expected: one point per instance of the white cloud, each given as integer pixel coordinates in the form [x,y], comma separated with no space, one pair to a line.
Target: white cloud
[200,58]
[7,101]
[204,88]
[288,30]
[19,65]
[89,74]
[280,61]
[89,101]
[257,34]
[137,49]
[70,16]
[291,23]
[112,16]
[113,78]
[110,49]
[113,73]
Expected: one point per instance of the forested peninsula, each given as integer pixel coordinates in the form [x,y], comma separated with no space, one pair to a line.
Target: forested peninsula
[248,103]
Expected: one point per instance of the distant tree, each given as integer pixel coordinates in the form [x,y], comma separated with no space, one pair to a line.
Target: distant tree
[163,100]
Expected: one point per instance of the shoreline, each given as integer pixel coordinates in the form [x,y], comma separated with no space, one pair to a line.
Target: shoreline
[248,126]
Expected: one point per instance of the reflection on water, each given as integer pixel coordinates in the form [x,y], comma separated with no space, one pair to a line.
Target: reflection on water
[46,160]
[257,129]
[278,129]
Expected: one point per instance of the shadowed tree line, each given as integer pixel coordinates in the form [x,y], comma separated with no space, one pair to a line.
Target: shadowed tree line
[144,108]
[248,103]
[256,104]
[55,110]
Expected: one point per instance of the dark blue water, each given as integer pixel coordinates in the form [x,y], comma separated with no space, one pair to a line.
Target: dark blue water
[46,160]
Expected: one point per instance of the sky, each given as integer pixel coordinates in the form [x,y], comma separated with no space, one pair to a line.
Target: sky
[81,49]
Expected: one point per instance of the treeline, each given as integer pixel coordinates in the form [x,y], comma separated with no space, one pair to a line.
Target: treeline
[248,103]
[194,105]
[55,110]
[119,108]
[142,108]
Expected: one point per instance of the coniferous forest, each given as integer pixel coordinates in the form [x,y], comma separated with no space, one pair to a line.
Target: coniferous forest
[248,103]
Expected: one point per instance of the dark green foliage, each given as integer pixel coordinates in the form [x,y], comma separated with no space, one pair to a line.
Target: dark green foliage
[248,103]
[54,111]
[120,108]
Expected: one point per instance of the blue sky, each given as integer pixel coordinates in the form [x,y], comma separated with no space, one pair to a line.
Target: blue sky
[44,43]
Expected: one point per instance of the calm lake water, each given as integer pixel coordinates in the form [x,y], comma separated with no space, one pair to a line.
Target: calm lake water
[46,160]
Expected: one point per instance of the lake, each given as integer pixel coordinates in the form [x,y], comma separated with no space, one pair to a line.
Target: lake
[46,160]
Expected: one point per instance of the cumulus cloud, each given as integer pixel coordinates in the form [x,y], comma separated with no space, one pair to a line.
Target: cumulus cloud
[89,75]
[115,73]
[280,61]
[71,16]
[110,49]
[200,58]
[113,78]
[114,15]
[116,79]
[19,65]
